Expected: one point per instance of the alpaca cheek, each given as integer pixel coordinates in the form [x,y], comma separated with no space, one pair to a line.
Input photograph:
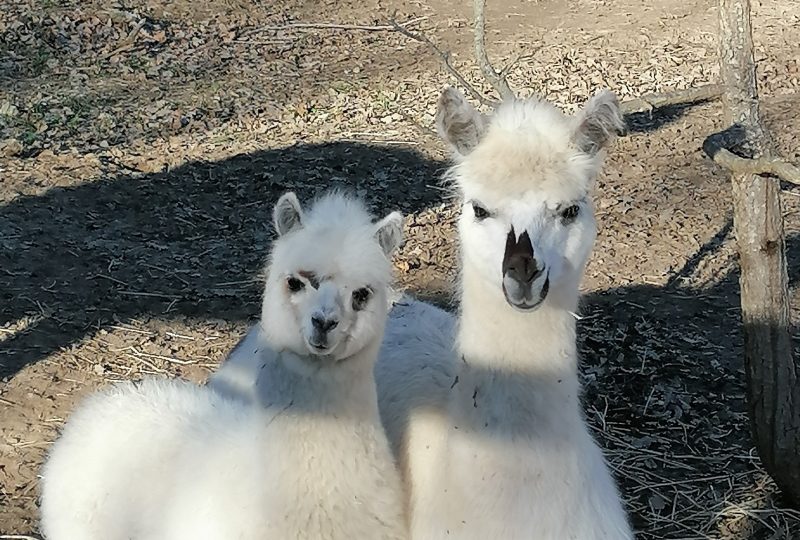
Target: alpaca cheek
[485,250]
[300,309]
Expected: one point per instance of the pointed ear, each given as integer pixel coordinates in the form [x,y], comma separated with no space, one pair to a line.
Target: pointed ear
[389,232]
[460,124]
[598,123]
[288,215]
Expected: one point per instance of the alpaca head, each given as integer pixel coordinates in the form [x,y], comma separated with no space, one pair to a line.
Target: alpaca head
[525,174]
[328,279]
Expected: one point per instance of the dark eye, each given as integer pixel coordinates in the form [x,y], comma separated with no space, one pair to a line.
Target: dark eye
[570,213]
[295,285]
[481,213]
[361,297]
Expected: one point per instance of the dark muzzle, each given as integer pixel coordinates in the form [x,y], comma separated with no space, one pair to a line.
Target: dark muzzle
[520,272]
[518,261]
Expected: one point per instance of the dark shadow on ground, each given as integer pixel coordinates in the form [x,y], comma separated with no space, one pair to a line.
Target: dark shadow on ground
[179,243]
[647,121]
[664,367]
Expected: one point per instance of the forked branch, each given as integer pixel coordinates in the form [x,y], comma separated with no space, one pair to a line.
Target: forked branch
[497,80]
[445,57]
[500,84]
[763,165]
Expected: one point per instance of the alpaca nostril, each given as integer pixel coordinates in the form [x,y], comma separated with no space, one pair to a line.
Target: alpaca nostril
[523,268]
[330,325]
[324,325]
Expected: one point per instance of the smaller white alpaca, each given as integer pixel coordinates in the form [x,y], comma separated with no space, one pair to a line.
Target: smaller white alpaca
[168,460]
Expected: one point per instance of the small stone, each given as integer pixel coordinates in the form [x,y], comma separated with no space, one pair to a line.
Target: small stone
[10,148]
[8,109]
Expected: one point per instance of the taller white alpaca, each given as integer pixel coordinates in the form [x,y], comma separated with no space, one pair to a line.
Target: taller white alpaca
[168,460]
[490,433]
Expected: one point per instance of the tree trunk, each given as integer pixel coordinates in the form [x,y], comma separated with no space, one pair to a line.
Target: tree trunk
[772,385]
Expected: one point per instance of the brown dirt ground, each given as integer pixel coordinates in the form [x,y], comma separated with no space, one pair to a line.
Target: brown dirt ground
[138,168]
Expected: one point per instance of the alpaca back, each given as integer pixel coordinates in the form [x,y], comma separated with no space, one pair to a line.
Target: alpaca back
[167,460]
[117,450]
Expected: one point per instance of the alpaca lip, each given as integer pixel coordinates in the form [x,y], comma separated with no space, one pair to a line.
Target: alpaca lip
[525,307]
[319,349]
[526,303]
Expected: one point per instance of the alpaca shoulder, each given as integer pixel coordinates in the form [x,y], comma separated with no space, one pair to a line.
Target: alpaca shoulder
[416,366]
[237,375]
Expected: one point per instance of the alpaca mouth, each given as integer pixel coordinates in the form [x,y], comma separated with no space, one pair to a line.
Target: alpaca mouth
[521,296]
[319,347]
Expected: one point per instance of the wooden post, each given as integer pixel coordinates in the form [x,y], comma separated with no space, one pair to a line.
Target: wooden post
[772,383]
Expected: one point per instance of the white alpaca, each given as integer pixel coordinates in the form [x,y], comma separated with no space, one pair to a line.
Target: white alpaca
[491,436]
[168,460]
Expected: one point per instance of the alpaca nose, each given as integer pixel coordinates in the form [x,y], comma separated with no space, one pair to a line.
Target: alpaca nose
[518,261]
[324,325]
[523,268]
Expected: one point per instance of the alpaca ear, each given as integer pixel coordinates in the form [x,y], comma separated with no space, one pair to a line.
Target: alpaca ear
[389,232]
[288,215]
[598,123]
[460,124]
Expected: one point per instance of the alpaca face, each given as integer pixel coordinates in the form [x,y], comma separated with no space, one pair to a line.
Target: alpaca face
[525,248]
[525,174]
[335,316]
[326,294]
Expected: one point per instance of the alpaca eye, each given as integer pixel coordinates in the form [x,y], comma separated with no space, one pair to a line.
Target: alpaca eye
[360,298]
[570,213]
[295,285]
[481,213]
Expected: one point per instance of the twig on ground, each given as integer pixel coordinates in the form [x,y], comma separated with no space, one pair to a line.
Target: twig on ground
[678,97]
[127,43]
[422,129]
[171,359]
[334,26]
[445,57]
[497,80]
[154,295]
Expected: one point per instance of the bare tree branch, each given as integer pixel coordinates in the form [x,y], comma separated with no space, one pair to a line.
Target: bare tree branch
[763,165]
[640,104]
[678,97]
[445,56]
[497,80]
